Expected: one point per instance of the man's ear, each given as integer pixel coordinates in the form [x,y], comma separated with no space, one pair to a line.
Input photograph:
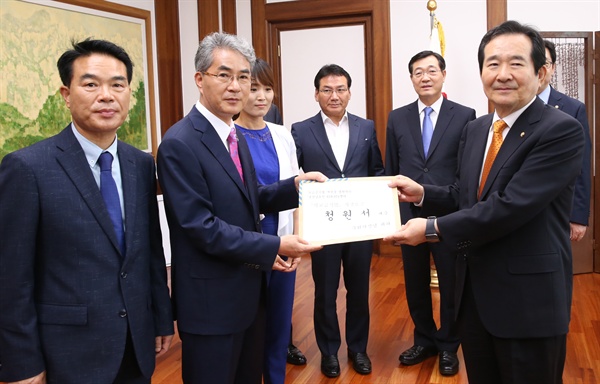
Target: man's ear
[65,92]
[198,78]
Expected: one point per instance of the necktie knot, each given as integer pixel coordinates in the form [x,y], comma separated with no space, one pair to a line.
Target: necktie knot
[105,160]
[428,111]
[499,126]
[232,136]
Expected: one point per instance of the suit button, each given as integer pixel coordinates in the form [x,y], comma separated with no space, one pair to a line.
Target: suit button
[123,313]
[343,175]
[123,275]
[425,169]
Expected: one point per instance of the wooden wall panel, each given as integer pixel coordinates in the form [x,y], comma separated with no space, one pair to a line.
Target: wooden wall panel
[169,63]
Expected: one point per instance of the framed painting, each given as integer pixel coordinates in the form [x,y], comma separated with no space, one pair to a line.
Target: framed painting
[33,35]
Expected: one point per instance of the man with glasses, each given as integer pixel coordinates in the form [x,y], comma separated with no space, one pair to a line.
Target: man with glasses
[339,145]
[213,202]
[581,200]
[422,143]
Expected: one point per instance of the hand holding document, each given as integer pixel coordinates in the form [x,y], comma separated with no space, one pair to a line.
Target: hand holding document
[346,210]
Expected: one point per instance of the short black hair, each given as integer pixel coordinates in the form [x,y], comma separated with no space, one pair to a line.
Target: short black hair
[552,49]
[86,48]
[329,70]
[424,54]
[538,50]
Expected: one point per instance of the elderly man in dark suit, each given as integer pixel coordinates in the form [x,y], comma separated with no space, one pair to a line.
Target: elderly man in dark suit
[581,200]
[213,204]
[422,143]
[339,144]
[514,193]
[84,293]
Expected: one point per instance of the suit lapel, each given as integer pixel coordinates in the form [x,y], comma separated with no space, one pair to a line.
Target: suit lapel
[72,159]
[129,180]
[215,146]
[443,121]
[554,99]
[477,157]
[414,126]
[353,135]
[318,130]
[519,132]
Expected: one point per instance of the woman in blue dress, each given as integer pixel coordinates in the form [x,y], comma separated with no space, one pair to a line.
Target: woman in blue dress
[274,154]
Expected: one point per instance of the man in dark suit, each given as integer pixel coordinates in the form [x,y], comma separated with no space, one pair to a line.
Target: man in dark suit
[422,143]
[83,302]
[213,204]
[339,145]
[514,264]
[581,200]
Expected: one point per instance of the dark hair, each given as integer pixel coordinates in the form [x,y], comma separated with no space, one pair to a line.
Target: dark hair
[424,54]
[551,48]
[86,48]
[262,73]
[331,69]
[538,51]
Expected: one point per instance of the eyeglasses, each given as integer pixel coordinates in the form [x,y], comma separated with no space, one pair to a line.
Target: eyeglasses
[329,91]
[431,72]
[226,78]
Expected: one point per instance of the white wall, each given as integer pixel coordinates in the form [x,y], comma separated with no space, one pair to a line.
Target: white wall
[410,35]
[188,42]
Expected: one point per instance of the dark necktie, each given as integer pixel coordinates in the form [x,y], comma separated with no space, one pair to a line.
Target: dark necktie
[233,151]
[110,194]
[427,129]
[497,140]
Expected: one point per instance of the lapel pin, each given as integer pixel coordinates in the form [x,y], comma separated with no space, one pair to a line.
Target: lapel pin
[556,106]
[522,134]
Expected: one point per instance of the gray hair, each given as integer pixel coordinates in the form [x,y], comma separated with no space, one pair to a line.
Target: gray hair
[221,40]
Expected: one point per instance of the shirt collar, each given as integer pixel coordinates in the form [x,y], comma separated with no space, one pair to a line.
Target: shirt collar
[436,106]
[510,119]
[92,151]
[326,118]
[545,94]
[219,125]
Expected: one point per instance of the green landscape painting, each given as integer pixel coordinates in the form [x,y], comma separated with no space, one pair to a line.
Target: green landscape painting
[32,38]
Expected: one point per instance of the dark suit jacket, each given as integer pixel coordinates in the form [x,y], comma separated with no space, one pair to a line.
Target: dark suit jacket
[404,147]
[515,241]
[67,294]
[315,153]
[219,254]
[581,200]
[273,115]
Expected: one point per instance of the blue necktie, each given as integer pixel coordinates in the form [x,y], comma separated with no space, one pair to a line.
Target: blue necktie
[427,129]
[110,194]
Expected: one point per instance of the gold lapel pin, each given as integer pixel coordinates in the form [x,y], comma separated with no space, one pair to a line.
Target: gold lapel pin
[522,134]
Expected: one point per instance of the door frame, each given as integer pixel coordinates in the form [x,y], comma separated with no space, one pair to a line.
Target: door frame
[269,20]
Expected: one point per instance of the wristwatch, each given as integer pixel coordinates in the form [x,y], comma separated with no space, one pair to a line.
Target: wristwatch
[430,234]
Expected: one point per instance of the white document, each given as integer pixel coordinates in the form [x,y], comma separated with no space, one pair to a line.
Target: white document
[346,210]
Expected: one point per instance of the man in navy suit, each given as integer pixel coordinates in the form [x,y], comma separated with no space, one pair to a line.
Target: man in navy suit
[581,200]
[220,254]
[339,145]
[406,141]
[514,264]
[79,303]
